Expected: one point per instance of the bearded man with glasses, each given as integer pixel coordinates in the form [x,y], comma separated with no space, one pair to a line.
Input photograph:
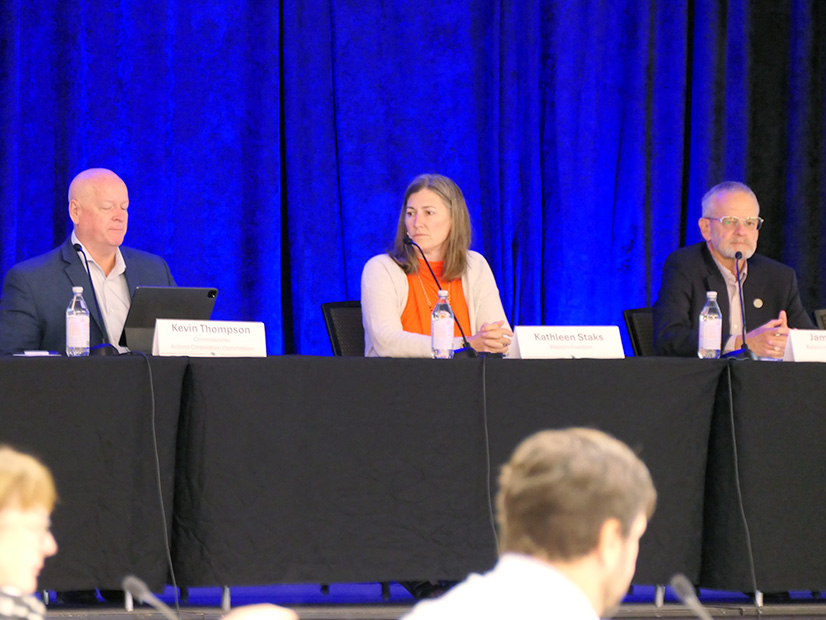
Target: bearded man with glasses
[730,224]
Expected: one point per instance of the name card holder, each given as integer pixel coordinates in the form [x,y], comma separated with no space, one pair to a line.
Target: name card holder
[805,345]
[176,337]
[566,341]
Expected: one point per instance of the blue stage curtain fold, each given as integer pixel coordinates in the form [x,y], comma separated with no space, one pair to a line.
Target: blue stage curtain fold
[267,146]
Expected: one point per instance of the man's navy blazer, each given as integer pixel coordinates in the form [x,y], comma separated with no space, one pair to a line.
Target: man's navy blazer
[691,271]
[37,291]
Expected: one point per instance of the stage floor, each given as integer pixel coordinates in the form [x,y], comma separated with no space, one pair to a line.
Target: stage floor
[364,602]
[394,611]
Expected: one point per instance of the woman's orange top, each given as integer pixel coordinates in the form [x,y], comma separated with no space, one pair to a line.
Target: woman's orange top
[422,296]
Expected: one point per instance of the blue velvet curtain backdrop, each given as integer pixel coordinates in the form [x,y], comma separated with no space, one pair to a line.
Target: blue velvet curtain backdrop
[266,145]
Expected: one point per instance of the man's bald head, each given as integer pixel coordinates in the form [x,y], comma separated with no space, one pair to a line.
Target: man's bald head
[88,180]
[98,203]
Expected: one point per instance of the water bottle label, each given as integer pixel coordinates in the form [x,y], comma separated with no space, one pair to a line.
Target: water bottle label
[442,333]
[711,333]
[77,331]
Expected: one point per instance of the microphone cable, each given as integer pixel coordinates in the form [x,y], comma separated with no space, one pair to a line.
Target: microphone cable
[737,258]
[103,330]
[465,343]
[159,480]
[743,353]
[488,467]
[739,490]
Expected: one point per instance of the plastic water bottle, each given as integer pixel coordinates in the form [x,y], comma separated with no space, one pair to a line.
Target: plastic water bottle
[77,325]
[711,328]
[441,329]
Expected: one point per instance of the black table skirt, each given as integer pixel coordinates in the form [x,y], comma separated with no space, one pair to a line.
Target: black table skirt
[779,426]
[303,469]
[90,421]
[660,407]
[326,469]
[323,469]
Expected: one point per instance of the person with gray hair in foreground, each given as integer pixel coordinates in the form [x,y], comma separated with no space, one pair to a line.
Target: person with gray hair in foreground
[571,508]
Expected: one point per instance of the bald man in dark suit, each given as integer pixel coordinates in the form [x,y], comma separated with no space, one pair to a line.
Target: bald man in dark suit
[37,291]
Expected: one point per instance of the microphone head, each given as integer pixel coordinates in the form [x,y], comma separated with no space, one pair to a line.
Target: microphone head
[135,587]
[738,255]
[77,247]
[407,240]
[682,587]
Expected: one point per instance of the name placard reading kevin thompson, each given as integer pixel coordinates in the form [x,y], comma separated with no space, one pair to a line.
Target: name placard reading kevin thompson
[176,337]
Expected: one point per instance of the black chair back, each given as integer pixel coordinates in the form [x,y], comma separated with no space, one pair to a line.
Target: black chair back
[820,319]
[640,325]
[345,328]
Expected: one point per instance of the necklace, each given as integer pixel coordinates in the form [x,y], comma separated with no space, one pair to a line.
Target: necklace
[426,297]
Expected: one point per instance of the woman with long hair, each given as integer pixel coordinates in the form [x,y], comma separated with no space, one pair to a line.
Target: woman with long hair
[398,292]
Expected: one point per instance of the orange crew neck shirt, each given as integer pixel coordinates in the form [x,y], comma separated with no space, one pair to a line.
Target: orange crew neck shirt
[422,296]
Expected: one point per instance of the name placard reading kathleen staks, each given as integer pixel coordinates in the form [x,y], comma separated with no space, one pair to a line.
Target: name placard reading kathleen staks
[566,341]
[209,338]
[806,345]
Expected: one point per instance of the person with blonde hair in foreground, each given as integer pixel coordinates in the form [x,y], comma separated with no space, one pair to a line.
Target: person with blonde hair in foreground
[27,497]
[572,506]
[264,611]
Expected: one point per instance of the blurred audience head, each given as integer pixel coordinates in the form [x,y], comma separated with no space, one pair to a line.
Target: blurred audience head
[27,497]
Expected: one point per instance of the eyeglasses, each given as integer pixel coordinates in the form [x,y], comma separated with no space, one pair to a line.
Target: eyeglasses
[729,221]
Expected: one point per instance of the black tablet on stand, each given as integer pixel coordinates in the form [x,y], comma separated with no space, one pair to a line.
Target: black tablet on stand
[163,302]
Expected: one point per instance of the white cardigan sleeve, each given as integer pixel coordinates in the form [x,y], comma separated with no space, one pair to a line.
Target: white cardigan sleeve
[384,293]
[482,295]
[383,298]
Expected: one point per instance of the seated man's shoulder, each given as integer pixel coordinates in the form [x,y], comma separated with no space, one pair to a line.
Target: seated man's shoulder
[687,254]
[471,598]
[146,269]
[41,262]
[481,600]
[769,265]
[134,253]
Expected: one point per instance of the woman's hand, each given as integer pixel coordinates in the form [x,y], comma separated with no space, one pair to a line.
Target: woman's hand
[492,338]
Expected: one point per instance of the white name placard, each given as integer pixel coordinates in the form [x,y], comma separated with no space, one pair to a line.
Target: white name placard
[805,345]
[566,341]
[209,338]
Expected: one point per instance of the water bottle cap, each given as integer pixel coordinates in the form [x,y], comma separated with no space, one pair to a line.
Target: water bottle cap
[77,289]
[711,295]
[443,293]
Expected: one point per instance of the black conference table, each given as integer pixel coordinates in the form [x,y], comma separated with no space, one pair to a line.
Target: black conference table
[309,469]
[779,415]
[332,469]
[90,420]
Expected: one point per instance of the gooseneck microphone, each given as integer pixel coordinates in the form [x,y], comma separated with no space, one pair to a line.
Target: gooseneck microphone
[685,592]
[106,348]
[139,590]
[743,353]
[466,350]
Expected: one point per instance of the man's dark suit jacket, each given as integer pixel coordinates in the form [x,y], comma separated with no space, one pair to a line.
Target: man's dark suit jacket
[691,271]
[37,291]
